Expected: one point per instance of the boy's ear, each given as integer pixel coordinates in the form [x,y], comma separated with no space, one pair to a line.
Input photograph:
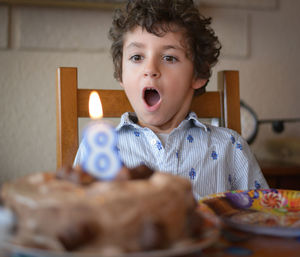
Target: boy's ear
[198,83]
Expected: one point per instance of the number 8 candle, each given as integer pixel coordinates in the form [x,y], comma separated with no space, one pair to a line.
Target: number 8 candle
[100,142]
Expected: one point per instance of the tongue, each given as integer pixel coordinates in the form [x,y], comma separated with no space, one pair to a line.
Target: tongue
[151,97]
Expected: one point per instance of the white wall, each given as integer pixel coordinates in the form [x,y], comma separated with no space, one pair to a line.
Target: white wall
[261,42]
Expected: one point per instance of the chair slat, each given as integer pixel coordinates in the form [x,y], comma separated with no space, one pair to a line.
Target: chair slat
[114,102]
[207,105]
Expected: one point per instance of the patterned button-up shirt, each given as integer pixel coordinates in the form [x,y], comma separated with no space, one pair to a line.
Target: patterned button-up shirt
[214,159]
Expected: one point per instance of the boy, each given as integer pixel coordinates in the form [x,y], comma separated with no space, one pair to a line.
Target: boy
[163,51]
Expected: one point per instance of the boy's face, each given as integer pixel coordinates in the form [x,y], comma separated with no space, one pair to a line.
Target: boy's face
[158,78]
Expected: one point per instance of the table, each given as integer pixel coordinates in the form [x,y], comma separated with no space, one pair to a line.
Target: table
[281,174]
[234,243]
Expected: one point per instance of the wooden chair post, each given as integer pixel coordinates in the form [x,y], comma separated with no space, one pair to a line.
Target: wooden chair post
[228,85]
[66,117]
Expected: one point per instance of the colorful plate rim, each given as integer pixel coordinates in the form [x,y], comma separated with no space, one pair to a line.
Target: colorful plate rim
[280,231]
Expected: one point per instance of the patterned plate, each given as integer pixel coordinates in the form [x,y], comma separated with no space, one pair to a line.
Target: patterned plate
[271,211]
[210,233]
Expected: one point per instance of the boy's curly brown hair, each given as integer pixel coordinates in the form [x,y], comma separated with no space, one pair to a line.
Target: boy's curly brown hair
[159,17]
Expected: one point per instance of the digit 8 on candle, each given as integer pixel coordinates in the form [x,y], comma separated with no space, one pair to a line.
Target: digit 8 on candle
[102,158]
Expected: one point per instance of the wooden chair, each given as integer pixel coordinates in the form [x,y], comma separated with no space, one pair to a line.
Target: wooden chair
[72,103]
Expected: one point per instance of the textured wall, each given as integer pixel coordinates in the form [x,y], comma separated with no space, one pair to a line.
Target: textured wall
[260,42]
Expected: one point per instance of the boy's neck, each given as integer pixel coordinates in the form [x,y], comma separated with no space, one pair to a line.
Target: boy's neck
[165,128]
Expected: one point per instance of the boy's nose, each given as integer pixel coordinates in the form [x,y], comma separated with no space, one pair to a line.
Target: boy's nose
[151,74]
[151,70]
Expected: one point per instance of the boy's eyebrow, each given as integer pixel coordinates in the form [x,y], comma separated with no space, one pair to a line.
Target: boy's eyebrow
[135,44]
[166,47]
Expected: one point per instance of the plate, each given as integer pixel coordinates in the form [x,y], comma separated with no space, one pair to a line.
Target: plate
[271,212]
[211,232]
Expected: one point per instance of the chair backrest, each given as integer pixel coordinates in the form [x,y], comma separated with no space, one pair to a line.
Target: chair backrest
[72,103]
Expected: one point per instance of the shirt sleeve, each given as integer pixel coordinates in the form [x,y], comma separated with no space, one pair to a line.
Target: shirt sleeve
[247,172]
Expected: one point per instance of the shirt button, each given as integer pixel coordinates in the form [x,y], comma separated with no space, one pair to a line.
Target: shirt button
[153,141]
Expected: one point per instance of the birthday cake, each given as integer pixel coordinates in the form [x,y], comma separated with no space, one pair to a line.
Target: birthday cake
[140,210]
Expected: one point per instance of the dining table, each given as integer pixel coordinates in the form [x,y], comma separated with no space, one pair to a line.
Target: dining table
[236,243]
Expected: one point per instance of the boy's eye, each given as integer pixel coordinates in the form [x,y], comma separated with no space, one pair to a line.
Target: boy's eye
[136,58]
[170,58]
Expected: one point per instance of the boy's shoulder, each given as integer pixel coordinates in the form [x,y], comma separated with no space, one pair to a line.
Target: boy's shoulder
[223,136]
[222,131]
[213,130]
[220,136]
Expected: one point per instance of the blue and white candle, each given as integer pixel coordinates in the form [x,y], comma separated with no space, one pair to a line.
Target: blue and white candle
[100,141]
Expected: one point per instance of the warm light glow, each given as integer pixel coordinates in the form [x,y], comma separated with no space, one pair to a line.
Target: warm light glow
[95,106]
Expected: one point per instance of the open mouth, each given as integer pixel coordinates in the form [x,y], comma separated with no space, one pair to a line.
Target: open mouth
[151,96]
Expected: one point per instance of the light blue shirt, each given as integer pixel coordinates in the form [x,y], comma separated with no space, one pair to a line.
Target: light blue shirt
[214,159]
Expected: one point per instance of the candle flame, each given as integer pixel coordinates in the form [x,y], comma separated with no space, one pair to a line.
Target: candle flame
[95,106]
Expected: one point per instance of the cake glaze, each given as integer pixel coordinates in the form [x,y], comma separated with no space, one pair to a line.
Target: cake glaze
[141,210]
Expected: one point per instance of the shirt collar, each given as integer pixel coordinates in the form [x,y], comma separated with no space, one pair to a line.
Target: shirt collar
[194,118]
[130,119]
